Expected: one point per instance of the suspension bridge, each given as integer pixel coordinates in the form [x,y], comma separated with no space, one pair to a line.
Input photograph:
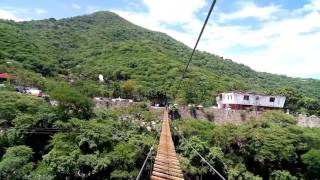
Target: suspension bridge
[166,165]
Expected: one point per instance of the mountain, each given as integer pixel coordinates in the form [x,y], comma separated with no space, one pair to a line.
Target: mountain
[80,48]
[71,141]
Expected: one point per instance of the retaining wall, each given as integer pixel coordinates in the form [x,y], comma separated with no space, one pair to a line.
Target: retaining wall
[223,116]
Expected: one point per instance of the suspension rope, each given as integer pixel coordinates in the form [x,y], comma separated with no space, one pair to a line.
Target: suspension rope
[203,160]
[148,156]
[144,163]
[195,46]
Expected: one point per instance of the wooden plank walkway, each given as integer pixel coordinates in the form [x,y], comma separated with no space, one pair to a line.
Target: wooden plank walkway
[166,164]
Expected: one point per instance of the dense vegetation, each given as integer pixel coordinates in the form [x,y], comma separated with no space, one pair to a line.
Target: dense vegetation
[270,147]
[65,141]
[74,140]
[135,62]
[37,144]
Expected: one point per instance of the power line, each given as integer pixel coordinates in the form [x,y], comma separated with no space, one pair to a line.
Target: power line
[196,45]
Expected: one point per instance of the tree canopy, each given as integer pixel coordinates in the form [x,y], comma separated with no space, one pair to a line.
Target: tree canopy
[269,147]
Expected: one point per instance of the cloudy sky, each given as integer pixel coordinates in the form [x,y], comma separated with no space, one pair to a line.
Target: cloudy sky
[277,36]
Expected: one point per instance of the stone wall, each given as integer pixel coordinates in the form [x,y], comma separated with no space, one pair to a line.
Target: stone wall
[223,116]
[311,121]
[108,103]
[220,116]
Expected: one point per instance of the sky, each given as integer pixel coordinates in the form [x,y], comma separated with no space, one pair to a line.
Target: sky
[276,36]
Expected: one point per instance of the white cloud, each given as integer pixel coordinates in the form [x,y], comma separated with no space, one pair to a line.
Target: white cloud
[9,15]
[177,11]
[291,46]
[289,43]
[159,13]
[76,6]
[40,11]
[249,9]
[313,5]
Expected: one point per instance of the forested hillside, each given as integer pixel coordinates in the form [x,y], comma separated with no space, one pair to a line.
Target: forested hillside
[78,49]
[70,139]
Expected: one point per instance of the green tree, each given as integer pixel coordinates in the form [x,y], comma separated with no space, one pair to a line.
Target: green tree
[16,163]
[240,172]
[312,160]
[293,98]
[71,103]
[282,175]
[129,88]
[157,96]
[187,149]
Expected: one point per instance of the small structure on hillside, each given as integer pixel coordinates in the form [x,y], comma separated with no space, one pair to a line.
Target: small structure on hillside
[34,92]
[4,77]
[108,102]
[29,90]
[249,100]
[101,78]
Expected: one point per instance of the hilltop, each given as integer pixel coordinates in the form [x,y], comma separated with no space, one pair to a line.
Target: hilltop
[70,139]
[78,49]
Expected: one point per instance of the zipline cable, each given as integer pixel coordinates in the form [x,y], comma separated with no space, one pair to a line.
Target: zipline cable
[196,45]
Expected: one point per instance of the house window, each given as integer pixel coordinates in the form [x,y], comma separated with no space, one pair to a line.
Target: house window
[257,98]
[246,97]
[272,99]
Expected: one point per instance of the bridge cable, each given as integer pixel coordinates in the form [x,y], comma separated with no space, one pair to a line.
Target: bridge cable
[195,47]
[144,163]
[148,156]
[202,158]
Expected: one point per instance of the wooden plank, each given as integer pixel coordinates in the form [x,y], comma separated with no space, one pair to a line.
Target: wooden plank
[168,162]
[166,166]
[160,156]
[168,172]
[165,176]
[171,155]
[172,168]
[157,178]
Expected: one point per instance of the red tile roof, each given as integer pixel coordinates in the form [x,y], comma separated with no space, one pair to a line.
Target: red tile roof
[5,76]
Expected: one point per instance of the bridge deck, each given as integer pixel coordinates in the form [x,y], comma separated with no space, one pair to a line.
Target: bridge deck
[166,165]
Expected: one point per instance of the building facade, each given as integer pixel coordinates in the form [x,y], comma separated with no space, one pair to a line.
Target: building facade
[248,100]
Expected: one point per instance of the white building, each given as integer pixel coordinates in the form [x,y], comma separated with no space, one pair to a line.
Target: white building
[245,100]
[34,92]
[101,79]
